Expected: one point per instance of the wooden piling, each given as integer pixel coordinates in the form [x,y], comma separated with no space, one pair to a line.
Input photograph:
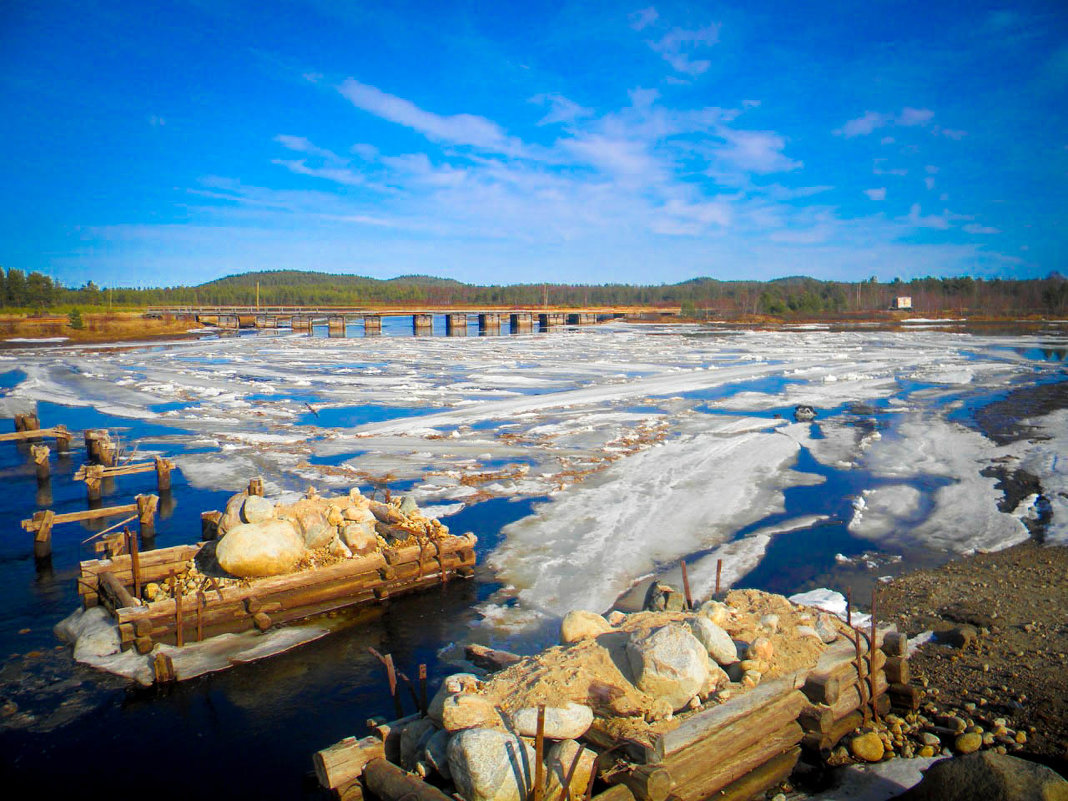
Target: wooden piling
[163,474]
[255,486]
[686,585]
[39,454]
[135,561]
[146,514]
[209,525]
[719,572]
[42,540]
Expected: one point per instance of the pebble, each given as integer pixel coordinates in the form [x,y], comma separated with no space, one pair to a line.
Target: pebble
[968,743]
[867,747]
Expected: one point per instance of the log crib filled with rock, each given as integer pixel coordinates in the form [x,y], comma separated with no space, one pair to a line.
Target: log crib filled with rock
[265,564]
[688,705]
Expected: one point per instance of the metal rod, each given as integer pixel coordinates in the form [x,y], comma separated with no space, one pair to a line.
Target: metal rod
[871,661]
[423,706]
[719,571]
[686,585]
[135,561]
[849,606]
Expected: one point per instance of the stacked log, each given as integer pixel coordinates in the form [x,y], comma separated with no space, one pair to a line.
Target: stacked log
[262,603]
[844,692]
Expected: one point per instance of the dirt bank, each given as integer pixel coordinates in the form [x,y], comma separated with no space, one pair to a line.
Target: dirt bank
[113,327]
[1017,666]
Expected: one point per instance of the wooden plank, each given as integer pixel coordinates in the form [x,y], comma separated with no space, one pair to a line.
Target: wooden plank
[772,773]
[89,514]
[344,761]
[37,433]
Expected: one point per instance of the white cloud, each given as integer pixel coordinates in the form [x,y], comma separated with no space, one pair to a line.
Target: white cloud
[862,126]
[300,144]
[975,228]
[756,151]
[676,47]
[915,116]
[560,109]
[917,219]
[459,129]
[931,169]
[876,194]
[640,20]
[335,174]
[929,181]
[953,134]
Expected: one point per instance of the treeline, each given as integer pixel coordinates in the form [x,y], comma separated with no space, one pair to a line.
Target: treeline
[698,297]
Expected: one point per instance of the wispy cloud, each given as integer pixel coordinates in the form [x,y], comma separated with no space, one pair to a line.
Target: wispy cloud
[640,20]
[871,121]
[677,45]
[561,109]
[976,228]
[876,194]
[917,219]
[460,129]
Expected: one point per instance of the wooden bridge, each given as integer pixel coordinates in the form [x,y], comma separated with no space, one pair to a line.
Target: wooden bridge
[457,321]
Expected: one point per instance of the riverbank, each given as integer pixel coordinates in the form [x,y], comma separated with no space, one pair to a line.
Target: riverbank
[1008,613]
[20,330]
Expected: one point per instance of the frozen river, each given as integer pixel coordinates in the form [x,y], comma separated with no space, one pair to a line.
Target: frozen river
[586,460]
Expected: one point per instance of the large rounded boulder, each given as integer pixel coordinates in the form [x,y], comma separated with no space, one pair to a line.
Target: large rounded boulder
[490,765]
[668,663]
[270,548]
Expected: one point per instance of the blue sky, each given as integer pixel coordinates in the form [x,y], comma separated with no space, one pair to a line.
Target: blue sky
[161,143]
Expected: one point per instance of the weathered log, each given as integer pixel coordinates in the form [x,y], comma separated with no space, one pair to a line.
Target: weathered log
[705,780]
[618,792]
[816,717]
[724,745]
[856,695]
[699,726]
[897,670]
[391,783]
[390,734]
[905,697]
[645,782]
[822,689]
[763,777]
[344,761]
[895,643]
[489,658]
[114,594]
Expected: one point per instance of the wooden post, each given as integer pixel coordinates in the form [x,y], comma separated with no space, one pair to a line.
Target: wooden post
[94,481]
[163,474]
[255,487]
[42,540]
[40,461]
[539,755]
[106,450]
[423,706]
[719,572]
[135,561]
[344,761]
[62,439]
[146,514]
[20,422]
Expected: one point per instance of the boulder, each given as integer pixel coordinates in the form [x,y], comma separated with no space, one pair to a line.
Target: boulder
[568,765]
[407,505]
[616,618]
[718,613]
[578,624]
[826,628]
[231,517]
[413,740]
[358,514]
[260,549]
[385,513]
[360,538]
[968,743]
[958,637]
[804,413]
[988,775]
[561,722]
[456,683]
[319,536]
[760,648]
[337,548]
[717,680]
[662,598]
[716,641]
[436,753]
[469,711]
[668,663]
[491,765]
[256,509]
[357,499]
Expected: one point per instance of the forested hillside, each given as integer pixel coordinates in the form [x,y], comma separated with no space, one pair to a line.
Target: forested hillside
[798,296]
